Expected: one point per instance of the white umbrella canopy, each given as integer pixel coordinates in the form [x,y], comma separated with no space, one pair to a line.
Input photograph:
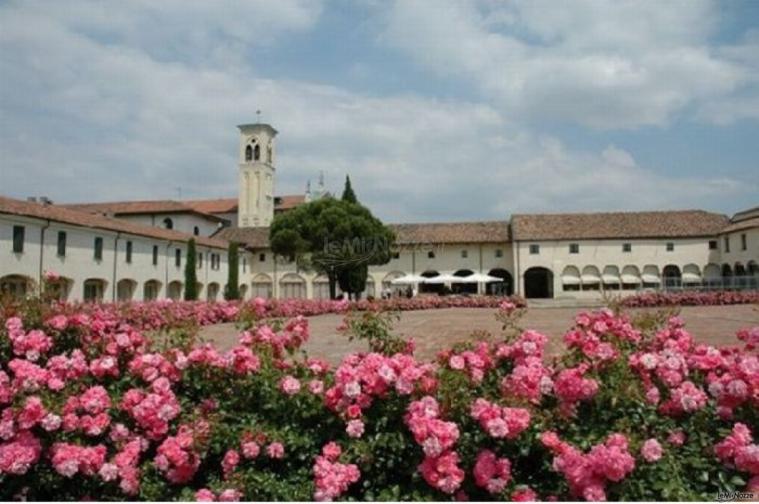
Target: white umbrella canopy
[408,280]
[444,279]
[481,278]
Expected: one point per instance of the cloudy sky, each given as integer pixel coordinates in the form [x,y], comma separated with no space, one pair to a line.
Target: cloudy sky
[439,110]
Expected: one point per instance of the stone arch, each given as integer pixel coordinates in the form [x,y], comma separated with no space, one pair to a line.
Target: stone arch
[320,287]
[650,276]
[570,279]
[94,290]
[16,286]
[538,282]
[293,286]
[591,278]
[672,276]
[692,275]
[712,273]
[431,288]
[151,290]
[387,279]
[261,286]
[174,290]
[125,289]
[611,278]
[503,288]
[630,277]
[212,292]
[60,288]
[464,288]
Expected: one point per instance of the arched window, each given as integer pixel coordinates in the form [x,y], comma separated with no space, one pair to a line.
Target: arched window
[168,223]
[196,231]
[248,153]
[257,152]
[268,153]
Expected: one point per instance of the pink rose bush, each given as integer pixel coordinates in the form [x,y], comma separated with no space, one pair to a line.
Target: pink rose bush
[121,401]
[690,298]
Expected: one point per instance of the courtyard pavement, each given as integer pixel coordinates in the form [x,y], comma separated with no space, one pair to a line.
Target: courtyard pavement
[434,330]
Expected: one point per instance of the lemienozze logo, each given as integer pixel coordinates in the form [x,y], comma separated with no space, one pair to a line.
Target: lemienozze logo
[735,496]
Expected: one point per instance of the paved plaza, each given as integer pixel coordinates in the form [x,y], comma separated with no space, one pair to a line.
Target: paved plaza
[434,330]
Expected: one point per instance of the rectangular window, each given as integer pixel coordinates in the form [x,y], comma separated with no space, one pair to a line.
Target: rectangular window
[627,247]
[670,247]
[431,254]
[155,255]
[464,254]
[61,243]
[18,239]
[178,257]
[244,265]
[534,249]
[712,244]
[574,248]
[498,252]
[200,260]
[727,244]
[129,252]
[98,248]
[396,255]
[262,257]
[744,245]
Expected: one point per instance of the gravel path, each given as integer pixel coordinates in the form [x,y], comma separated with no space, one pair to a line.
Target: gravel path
[434,330]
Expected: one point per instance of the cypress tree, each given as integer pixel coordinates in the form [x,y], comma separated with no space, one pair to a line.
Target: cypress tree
[348,194]
[190,273]
[232,289]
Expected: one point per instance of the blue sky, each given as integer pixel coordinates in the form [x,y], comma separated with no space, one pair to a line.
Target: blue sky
[439,110]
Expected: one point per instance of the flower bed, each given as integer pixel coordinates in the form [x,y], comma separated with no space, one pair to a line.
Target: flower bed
[687,298]
[89,409]
[166,313]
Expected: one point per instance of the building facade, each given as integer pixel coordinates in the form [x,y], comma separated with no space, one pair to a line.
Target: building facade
[134,250]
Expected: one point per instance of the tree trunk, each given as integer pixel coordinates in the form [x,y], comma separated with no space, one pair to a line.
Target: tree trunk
[332,285]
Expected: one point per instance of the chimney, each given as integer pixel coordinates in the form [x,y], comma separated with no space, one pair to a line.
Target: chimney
[45,200]
[31,199]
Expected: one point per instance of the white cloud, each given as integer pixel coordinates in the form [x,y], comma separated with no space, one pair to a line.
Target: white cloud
[600,64]
[86,119]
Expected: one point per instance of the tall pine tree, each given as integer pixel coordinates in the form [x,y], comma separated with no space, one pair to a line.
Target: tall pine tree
[232,289]
[348,194]
[190,273]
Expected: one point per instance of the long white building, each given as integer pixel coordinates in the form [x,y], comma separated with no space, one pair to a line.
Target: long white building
[134,250]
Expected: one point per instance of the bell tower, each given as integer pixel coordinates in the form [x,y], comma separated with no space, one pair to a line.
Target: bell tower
[255,205]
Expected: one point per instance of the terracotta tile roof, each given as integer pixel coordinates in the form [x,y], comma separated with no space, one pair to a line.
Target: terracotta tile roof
[206,207]
[66,215]
[253,237]
[289,201]
[446,232]
[663,224]
[452,232]
[750,223]
[131,207]
[213,206]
